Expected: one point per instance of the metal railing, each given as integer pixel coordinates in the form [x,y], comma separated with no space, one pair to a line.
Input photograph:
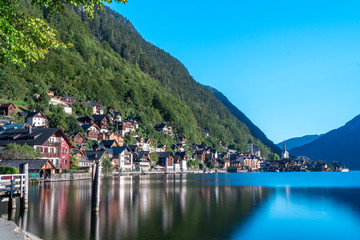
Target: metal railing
[12,185]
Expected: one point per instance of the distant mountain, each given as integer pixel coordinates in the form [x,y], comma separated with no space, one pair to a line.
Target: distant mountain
[255,131]
[342,144]
[298,141]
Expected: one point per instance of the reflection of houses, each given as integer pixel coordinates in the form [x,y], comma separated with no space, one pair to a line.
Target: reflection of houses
[51,143]
[142,160]
[123,157]
[38,168]
[7,109]
[35,119]
[166,159]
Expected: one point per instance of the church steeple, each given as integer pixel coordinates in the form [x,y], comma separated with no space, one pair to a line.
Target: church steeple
[284,147]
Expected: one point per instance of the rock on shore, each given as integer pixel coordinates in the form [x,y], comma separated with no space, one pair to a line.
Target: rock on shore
[10,231]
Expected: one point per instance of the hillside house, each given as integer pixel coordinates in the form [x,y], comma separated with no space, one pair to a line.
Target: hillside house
[65,106]
[69,100]
[35,119]
[92,131]
[123,157]
[180,161]
[112,136]
[143,143]
[166,160]
[79,139]
[142,160]
[7,109]
[125,128]
[97,108]
[164,127]
[51,143]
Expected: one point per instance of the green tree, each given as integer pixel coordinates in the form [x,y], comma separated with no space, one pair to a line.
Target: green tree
[26,38]
[8,170]
[210,165]
[16,151]
[275,157]
[57,118]
[107,166]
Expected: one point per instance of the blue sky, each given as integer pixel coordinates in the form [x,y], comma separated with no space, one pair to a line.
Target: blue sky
[293,67]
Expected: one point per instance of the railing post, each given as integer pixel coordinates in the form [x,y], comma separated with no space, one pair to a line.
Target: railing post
[12,199]
[96,187]
[24,169]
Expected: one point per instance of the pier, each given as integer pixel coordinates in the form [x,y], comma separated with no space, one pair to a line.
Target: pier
[13,186]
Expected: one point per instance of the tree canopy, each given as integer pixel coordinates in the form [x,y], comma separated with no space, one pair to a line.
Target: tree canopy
[25,38]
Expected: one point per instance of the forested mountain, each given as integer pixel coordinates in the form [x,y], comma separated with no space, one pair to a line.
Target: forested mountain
[341,144]
[108,61]
[255,131]
[298,141]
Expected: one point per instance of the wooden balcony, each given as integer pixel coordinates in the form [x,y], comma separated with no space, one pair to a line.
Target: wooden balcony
[50,155]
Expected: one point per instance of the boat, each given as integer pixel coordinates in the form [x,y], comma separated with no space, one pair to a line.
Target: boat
[345,170]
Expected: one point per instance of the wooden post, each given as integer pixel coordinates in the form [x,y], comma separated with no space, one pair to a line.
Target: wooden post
[24,169]
[96,182]
[12,198]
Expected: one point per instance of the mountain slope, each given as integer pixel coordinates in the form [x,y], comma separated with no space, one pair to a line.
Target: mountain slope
[111,63]
[298,141]
[341,144]
[255,131]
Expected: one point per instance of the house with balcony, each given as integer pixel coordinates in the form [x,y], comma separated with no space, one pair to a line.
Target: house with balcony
[180,161]
[92,131]
[142,160]
[35,119]
[166,160]
[97,108]
[51,143]
[125,128]
[123,158]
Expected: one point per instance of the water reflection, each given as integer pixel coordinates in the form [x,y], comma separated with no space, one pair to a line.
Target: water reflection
[139,207]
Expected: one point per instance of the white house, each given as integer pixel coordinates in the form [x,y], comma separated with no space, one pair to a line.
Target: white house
[66,107]
[123,157]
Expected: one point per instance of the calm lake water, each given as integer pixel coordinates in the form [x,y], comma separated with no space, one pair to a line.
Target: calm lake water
[207,206]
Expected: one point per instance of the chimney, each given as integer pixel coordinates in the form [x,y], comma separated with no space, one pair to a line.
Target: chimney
[30,129]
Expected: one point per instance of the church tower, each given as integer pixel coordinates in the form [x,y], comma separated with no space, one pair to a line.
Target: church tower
[251,147]
[284,153]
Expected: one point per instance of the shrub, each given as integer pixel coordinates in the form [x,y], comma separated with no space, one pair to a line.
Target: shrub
[8,170]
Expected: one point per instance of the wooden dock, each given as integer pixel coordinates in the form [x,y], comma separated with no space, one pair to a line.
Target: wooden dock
[13,186]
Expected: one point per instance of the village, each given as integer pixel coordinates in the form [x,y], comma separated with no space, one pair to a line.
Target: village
[103,138]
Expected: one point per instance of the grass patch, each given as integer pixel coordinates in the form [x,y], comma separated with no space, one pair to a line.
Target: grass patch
[16,102]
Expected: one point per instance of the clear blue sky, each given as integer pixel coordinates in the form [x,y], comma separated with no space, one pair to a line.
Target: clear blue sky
[293,67]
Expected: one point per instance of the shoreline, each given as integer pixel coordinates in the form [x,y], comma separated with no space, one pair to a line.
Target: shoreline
[10,231]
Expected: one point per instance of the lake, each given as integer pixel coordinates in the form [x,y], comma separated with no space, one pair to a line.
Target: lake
[203,206]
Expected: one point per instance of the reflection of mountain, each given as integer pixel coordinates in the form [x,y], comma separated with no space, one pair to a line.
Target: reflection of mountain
[161,207]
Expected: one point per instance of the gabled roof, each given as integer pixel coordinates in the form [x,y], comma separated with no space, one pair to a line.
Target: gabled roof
[181,154]
[87,126]
[5,105]
[8,127]
[38,136]
[164,154]
[108,143]
[100,117]
[30,114]
[95,155]
[118,150]
[142,153]
[133,148]
[34,164]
